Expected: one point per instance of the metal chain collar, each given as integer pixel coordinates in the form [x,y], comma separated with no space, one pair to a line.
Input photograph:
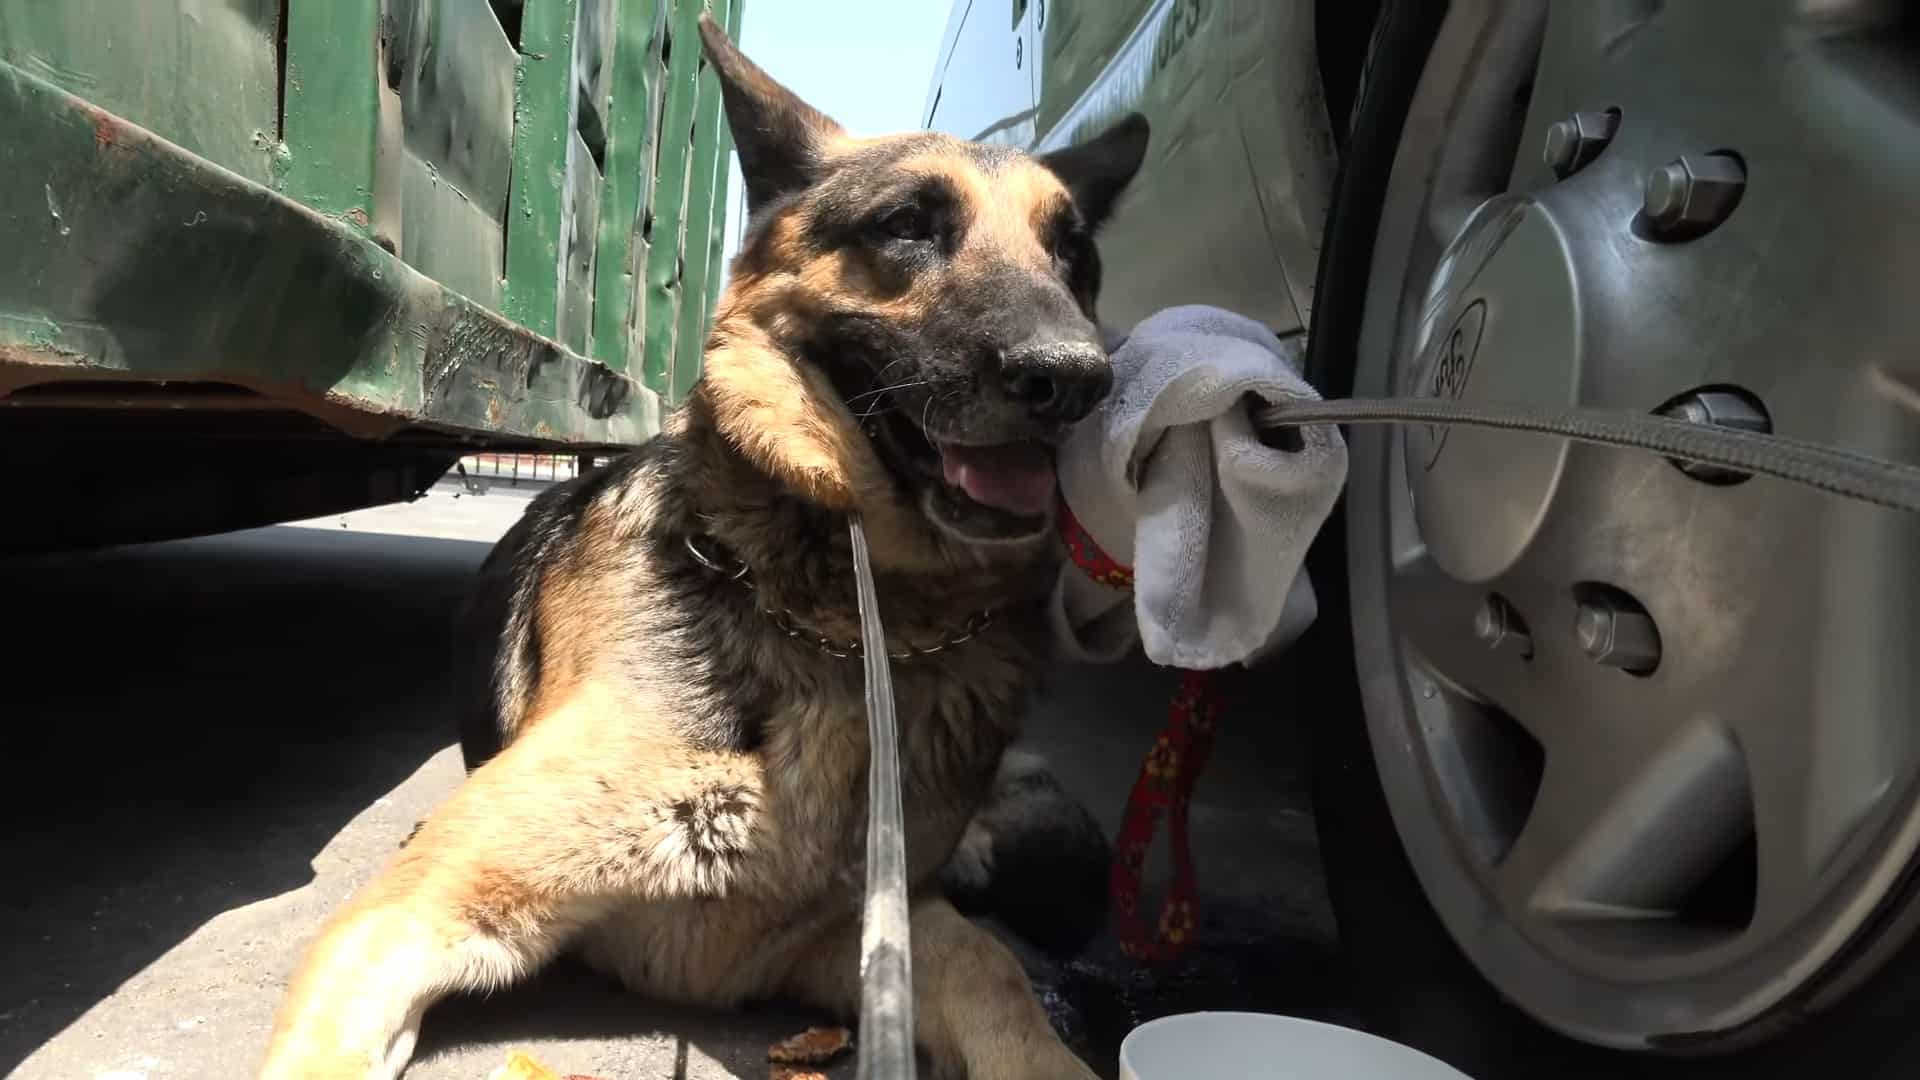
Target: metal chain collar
[787,623]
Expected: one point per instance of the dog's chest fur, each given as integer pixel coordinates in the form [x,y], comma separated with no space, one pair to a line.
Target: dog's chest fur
[744,746]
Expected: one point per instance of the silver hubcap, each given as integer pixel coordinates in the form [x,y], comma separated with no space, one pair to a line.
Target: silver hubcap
[1651,736]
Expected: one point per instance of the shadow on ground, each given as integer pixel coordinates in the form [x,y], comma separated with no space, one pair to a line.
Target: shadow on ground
[1264,935]
[188,725]
[570,1003]
[211,742]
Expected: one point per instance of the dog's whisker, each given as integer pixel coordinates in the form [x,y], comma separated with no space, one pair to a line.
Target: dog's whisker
[926,411]
[879,397]
[877,391]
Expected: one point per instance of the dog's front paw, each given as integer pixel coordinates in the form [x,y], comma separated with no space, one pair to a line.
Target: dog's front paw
[1038,1058]
[322,1067]
[1064,1066]
[315,1051]
[1034,860]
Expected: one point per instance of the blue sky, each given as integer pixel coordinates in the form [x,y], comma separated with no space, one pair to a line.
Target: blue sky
[866,63]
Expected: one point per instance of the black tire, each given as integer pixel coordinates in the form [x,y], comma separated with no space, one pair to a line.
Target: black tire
[1407,978]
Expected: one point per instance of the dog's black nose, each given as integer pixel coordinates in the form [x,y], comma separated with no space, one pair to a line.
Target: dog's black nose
[1058,380]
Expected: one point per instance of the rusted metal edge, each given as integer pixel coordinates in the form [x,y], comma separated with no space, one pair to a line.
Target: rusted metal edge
[132,259]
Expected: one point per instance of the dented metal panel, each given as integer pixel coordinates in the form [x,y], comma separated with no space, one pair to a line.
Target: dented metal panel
[454,70]
[666,261]
[450,67]
[1241,144]
[593,74]
[716,263]
[581,217]
[704,200]
[445,235]
[333,136]
[132,261]
[633,116]
[201,73]
[543,128]
[403,225]
[1172,66]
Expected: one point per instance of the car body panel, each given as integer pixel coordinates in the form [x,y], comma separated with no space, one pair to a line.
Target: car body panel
[1228,208]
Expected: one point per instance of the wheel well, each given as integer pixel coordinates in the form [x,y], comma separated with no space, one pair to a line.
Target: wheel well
[1343,31]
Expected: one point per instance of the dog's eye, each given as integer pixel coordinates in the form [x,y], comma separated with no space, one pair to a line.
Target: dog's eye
[1070,246]
[908,223]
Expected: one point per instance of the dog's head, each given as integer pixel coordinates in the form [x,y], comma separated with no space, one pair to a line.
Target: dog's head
[910,319]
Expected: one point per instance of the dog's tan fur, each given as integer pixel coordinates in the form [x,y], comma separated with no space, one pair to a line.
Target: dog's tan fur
[680,796]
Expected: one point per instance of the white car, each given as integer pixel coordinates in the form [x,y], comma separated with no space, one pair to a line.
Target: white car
[1616,754]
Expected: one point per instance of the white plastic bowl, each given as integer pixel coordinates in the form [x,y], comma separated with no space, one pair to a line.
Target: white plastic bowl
[1246,1046]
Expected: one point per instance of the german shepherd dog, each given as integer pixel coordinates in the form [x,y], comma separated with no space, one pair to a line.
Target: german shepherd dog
[670,642]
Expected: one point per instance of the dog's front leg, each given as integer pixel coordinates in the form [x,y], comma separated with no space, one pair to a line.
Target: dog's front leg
[417,933]
[534,847]
[481,895]
[975,1013]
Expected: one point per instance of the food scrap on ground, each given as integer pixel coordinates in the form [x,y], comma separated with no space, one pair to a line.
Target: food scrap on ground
[794,1072]
[524,1066]
[814,1046]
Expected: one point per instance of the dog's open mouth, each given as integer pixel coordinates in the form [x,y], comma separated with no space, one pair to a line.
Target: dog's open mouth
[1016,478]
[980,492]
[1000,492]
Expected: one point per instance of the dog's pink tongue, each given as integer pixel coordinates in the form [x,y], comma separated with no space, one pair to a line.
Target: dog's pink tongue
[1016,477]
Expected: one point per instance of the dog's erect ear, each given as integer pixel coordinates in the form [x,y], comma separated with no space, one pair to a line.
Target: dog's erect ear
[778,136]
[1098,170]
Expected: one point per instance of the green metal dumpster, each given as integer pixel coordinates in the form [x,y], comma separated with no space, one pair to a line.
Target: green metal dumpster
[265,259]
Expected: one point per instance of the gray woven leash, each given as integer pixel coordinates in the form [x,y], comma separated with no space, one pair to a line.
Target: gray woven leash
[886,964]
[886,968]
[1831,469]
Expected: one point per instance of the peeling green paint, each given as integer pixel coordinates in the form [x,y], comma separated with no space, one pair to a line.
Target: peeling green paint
[704,201]
[630,134]
[580,221]
[670,189]
[542,126]
[423,164]
[332,107]
[201,73]
[716,246]
[41,333]
[175,270]
[447,77]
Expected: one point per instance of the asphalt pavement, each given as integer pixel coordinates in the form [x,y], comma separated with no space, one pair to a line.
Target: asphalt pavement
[210,743]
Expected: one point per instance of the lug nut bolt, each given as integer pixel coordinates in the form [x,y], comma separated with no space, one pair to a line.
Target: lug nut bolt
[1500,626]
[1720,408]
[1616,632]
[1574,142]
[1689,197]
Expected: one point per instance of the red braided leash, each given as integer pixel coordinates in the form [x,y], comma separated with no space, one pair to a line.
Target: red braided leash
[1164,788]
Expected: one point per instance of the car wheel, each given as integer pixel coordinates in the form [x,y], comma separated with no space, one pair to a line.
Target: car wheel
[1621,768]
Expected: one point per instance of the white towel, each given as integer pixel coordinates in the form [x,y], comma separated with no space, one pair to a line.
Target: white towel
[1169,477]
